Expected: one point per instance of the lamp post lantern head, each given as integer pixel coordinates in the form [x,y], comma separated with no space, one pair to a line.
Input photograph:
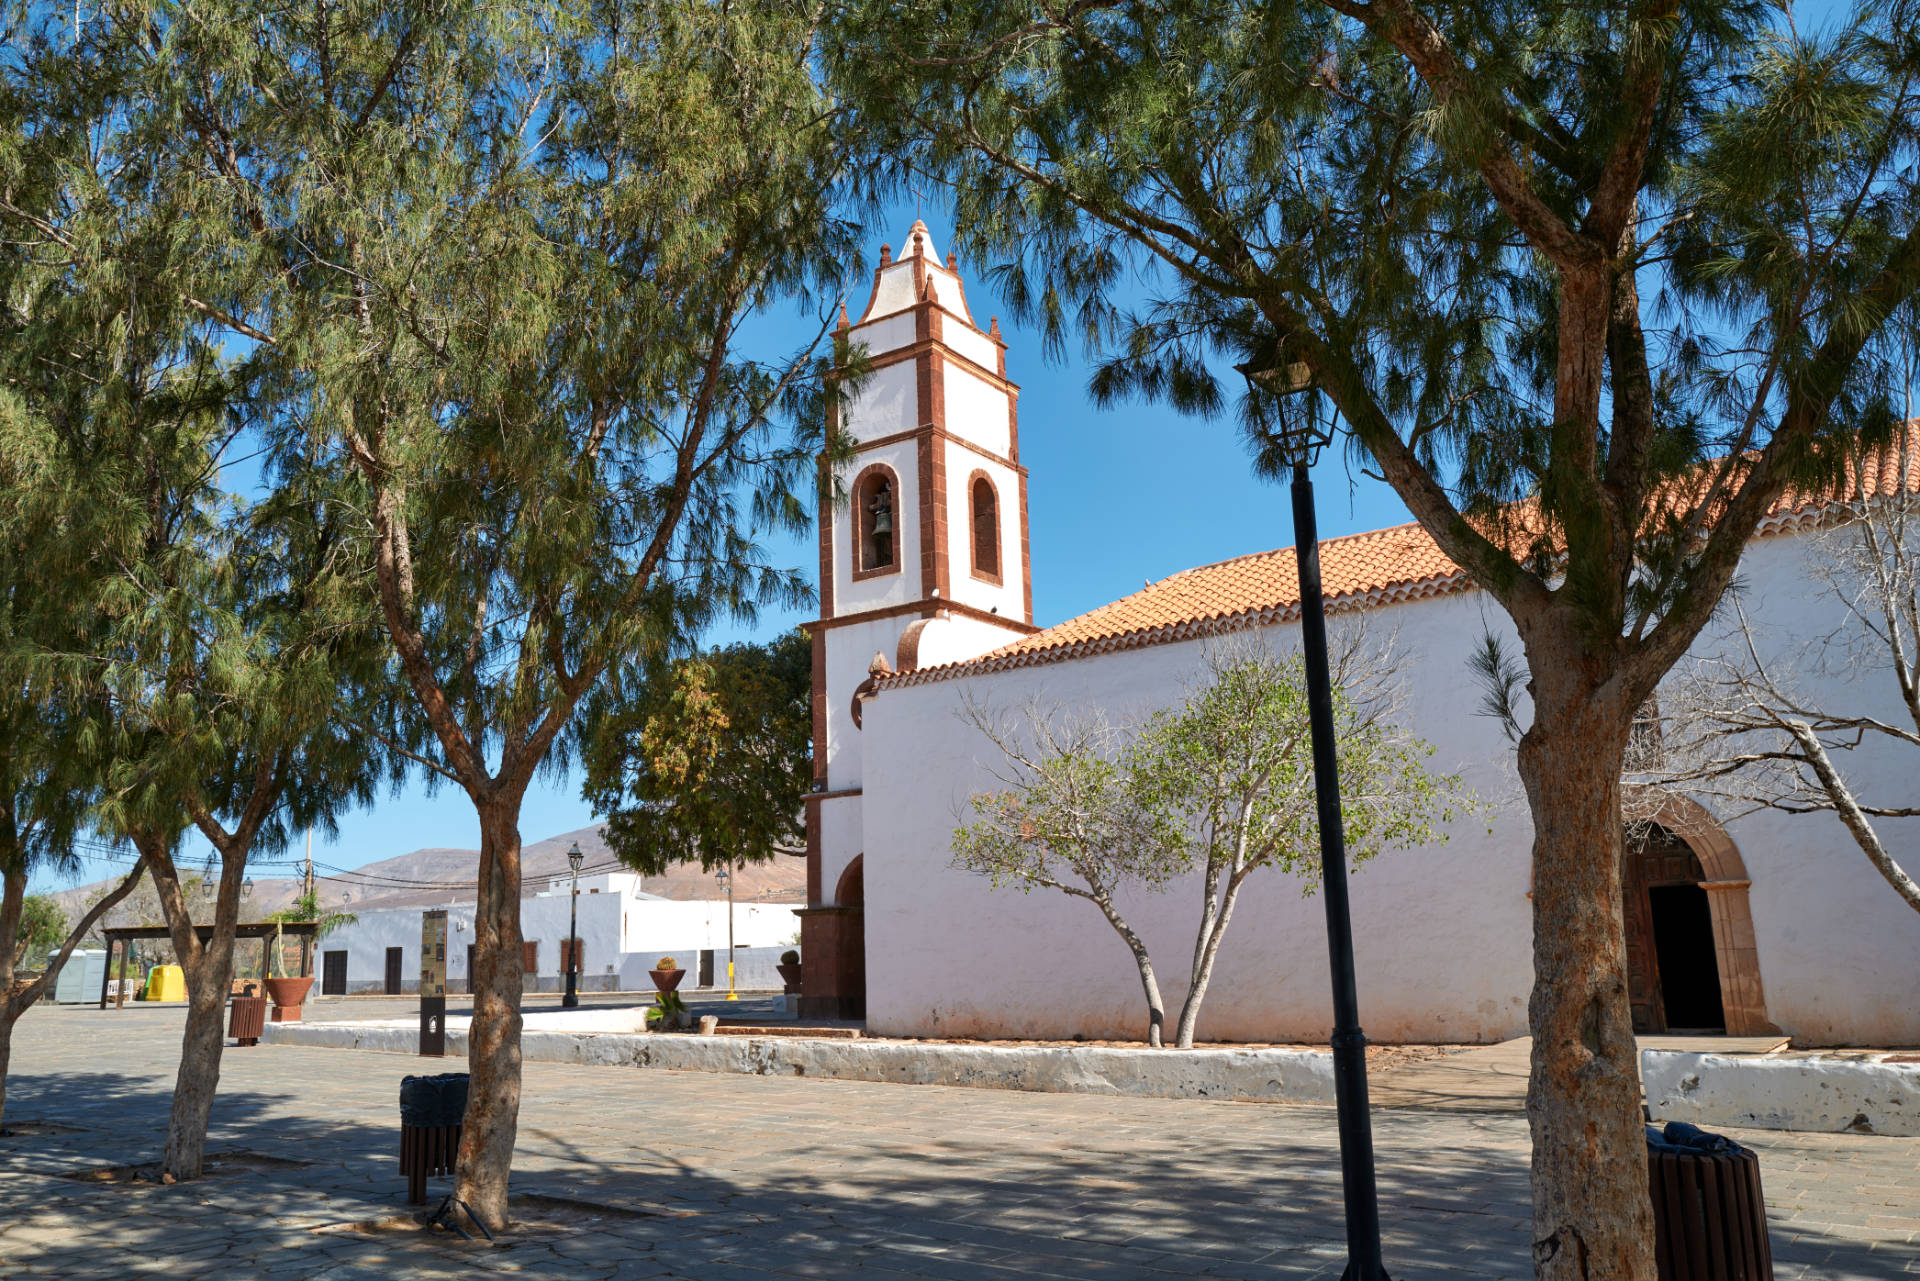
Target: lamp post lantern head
[1288,415]
[575,858]
[722,876]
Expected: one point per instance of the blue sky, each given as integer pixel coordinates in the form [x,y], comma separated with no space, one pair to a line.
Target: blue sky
[1093,473]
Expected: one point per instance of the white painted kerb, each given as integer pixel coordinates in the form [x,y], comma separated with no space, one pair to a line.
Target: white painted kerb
[1292,1076]
[1813,1093]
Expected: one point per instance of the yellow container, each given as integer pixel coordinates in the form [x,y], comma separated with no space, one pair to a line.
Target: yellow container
[166,983]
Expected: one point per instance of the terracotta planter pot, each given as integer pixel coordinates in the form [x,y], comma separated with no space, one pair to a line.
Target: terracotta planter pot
[288,995]
[790,975]
[666,980]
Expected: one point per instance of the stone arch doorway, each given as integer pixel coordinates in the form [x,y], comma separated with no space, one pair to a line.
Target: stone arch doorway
[1692,962]
[850,895]
[833,951]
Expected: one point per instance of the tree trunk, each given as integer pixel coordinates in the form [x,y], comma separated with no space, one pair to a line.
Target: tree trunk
[209,974]
[1592,1215]
[1215,926]
[198,1079]
[1156,1008]
[493,1042]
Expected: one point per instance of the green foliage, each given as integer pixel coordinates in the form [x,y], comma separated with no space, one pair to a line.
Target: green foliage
[307,908]
[1232,769]
[667,965]
[43,928]
[1580,287]
[666,1009]
[1067,816]
[789,957]
[709,755]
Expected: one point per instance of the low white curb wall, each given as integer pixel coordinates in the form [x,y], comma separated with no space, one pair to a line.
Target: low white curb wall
[1819,1094]
[1293,1076]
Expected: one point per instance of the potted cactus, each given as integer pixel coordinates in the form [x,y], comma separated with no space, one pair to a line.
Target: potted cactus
[667,976]
[789,968]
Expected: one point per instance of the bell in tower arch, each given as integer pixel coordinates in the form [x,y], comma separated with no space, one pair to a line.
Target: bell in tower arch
[882,526]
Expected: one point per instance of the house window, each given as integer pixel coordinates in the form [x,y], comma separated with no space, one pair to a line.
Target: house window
[986,528]
[530,961]
[876,510]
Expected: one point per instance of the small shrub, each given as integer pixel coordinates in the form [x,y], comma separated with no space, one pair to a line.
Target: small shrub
[789,957]
[667,963]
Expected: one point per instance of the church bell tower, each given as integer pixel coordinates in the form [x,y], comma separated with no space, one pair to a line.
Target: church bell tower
[923,560]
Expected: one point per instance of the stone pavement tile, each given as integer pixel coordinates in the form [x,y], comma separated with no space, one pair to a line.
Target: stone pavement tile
[790,1177]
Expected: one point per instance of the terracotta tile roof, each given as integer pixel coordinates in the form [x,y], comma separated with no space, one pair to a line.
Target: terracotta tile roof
[1358,571]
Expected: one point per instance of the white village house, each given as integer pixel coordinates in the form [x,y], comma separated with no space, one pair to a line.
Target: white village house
[1771,922]
[623,933]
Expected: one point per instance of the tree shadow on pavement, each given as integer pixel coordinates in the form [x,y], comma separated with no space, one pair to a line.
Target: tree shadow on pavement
[1134,1202]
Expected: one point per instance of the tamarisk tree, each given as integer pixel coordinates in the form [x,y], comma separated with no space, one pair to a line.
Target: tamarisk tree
[488,269]
[1589,287]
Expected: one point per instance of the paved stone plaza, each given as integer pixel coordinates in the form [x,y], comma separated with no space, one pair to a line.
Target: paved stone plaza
[732,1178]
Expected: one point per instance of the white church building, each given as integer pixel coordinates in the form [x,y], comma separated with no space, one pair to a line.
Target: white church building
[1767,923]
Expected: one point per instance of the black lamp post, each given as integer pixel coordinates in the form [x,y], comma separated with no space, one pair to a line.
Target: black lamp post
[1297,435]
[572,957]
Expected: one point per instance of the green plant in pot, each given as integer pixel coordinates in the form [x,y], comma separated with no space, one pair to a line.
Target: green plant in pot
[290,993]
[669,1010]
[790,971]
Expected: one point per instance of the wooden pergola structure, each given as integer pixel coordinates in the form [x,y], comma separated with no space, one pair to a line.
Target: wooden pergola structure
[120,936]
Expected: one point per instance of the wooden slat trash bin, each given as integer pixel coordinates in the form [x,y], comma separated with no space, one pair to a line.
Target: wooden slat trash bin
[431,1108]
[1709,1217]
[249,1016]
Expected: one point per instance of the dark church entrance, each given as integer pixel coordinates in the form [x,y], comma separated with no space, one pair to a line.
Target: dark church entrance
[1673,971]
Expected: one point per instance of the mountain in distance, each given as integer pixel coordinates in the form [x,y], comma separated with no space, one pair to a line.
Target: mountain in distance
[444,874]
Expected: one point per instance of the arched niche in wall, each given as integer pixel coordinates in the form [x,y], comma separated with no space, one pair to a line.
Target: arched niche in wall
[983,510]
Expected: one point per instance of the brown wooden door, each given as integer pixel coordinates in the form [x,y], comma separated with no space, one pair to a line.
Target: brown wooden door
[1659,859]
[530,963]
[570,957]
[395,960]
[333,974]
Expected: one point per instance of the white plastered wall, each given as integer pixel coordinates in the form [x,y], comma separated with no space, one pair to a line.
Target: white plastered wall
[1442,934]
[971,343]
[850,651]
[977,410]
[840,835]
[1839,950]
[953,638]
[886,404]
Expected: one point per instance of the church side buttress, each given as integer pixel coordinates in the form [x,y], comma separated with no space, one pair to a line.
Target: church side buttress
[923,560]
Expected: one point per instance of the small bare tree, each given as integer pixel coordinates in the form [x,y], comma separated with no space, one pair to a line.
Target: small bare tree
[1224,781]
[1065,820]
[1231,775]
[1738,728]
